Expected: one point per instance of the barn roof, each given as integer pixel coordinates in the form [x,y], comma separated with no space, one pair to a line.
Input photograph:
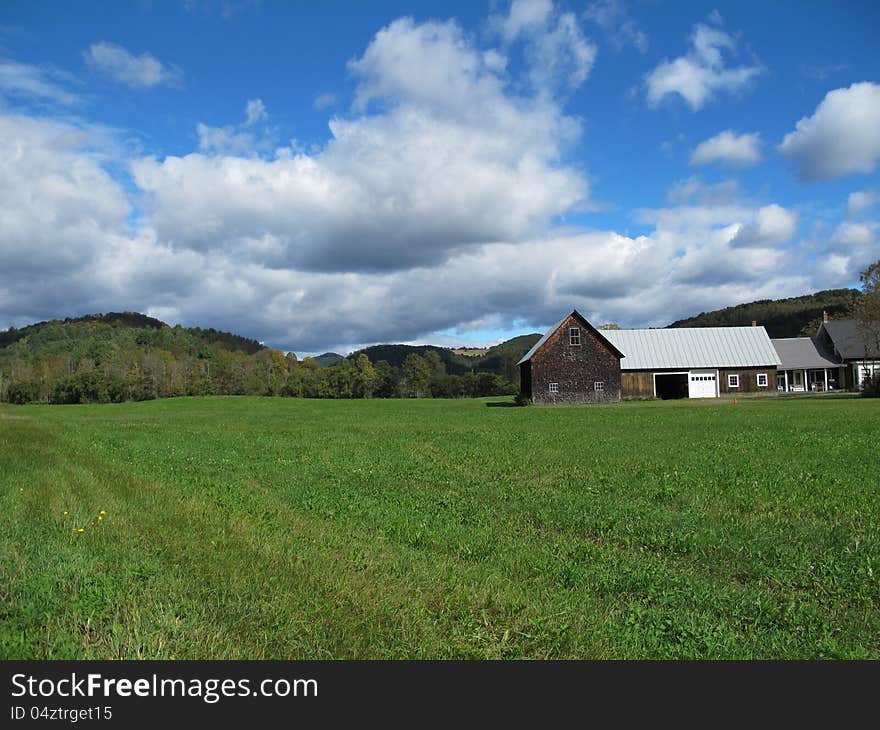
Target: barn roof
[798,353]
[849,341]
[578,315]
[694,347]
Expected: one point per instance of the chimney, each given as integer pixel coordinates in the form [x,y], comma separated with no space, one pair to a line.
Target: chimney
[754,323]
[824,316]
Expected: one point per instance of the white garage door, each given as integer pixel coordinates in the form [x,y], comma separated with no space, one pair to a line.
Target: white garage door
[702,384]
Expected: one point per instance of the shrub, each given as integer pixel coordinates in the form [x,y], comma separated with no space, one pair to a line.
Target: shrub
[871,386]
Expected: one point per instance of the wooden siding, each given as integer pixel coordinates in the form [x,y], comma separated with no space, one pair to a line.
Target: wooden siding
[637,384]
[575,368]
[748,380]
[640,383]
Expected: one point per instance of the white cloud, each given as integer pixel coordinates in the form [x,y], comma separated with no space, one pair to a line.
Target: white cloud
[728,147]
[841,138]
[23,81]
[773,225]
[557,50]
[621,30]
[702,73]
[59,210]
[861,201]
[90,259]
[452,161]
[524,16]
[852,247]
[436,211]
[849,234]
[255,111]
[325,100]
[237,140]
[138,72]
[693,189]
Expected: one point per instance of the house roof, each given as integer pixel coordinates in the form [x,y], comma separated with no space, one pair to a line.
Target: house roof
[574,313]
[849,340]
[798,353]
[694,347]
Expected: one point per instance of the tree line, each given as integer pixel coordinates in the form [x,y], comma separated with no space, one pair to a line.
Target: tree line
[792,317]
[105,360]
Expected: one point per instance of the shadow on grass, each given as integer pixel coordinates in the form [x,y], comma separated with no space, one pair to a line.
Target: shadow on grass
[503,404]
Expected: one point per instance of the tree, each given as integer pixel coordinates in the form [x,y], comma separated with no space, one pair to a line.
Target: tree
[609,326]
[387,380]
[418,372]
[365,377]
[868,308]
[868,316]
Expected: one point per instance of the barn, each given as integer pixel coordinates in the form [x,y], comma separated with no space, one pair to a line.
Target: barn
[572,363]
[576,363]
[695,362]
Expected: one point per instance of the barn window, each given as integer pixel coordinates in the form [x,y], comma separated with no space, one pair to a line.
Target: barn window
[598,385]
[554,387]
[574,336]
[733,381]
[762,380]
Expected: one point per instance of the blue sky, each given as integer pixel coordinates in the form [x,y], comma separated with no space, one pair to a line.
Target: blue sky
[323,176]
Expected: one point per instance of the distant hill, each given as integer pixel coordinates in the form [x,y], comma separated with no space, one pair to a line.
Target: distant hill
[328,359]
[90,325]
[781,317]
[503,357]
[500,359]
[396,354]
[117,319]
[121,356]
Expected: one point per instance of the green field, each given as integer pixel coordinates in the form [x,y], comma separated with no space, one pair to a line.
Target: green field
[297,529]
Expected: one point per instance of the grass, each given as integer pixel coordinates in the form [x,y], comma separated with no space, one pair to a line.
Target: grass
[295,529]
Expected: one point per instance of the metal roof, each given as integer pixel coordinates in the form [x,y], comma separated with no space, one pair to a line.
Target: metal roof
[684,347]
[694,347]
[849,341]
[799,353]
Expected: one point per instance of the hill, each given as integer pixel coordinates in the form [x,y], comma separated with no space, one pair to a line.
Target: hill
[499,359]
[790,317]
[395,355]
[328,359]
[121,356]
[41,334]
[116,357]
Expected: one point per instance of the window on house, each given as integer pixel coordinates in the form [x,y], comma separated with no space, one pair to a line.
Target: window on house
[574,335]
[762,380]
[598,385]
[554,387]
[733,381]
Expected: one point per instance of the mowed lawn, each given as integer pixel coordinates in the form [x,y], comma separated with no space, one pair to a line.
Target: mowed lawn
[298,529]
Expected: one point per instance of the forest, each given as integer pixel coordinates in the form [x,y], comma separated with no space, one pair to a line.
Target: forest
[117,357]
[792,317]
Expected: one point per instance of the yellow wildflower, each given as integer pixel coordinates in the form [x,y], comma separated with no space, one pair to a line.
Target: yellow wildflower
[102,512]
[65,513]
[100,517]
[80,529]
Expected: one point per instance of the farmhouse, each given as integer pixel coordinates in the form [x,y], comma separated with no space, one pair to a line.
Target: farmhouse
[575,363]
[856,349]
[807,365]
